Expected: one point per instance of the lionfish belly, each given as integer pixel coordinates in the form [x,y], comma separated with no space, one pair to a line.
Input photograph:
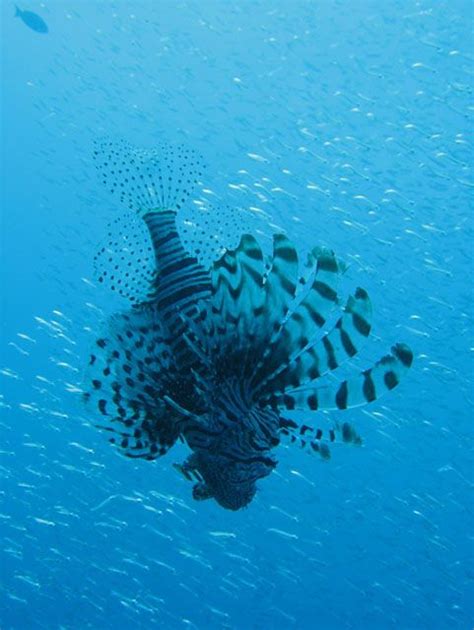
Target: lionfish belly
[214,354]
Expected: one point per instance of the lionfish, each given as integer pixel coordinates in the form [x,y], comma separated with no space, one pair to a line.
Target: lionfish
[214,354]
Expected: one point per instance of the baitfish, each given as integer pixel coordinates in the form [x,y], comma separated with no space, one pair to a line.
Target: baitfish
[215,354]
[32,20]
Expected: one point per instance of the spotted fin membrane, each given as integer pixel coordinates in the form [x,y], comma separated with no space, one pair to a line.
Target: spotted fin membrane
[125,261]
[212,351]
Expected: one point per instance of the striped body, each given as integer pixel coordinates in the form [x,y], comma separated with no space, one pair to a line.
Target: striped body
[180,280]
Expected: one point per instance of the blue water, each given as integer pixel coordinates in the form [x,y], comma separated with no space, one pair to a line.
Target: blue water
[349,124]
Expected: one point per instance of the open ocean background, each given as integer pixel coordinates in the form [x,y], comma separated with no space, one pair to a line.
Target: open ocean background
[348,124]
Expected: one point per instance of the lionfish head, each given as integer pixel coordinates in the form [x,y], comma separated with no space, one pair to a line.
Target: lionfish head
[231,483]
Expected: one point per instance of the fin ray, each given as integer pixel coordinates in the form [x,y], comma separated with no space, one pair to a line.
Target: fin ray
[328,353]
[366,387]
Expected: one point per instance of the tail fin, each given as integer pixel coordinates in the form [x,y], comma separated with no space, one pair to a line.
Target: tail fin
[148,179]
[17,11]
[153,184]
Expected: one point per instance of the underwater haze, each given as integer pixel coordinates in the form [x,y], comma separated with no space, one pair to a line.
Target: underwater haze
[344,125]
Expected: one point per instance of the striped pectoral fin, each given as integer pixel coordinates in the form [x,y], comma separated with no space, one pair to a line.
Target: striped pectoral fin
[252,298]
[317,440]
[136,428]
[237,283]
[360,390]
[317,304]
[331,351]
[136,437]
[304,321]
[124,385]
[140,422]
[226,282]
[322,298]
[279,291]
[281,281]
[235,317]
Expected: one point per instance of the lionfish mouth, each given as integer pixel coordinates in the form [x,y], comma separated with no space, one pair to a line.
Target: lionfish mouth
[206,332]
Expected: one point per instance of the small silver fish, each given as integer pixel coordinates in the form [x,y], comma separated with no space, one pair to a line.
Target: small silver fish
[32,20]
